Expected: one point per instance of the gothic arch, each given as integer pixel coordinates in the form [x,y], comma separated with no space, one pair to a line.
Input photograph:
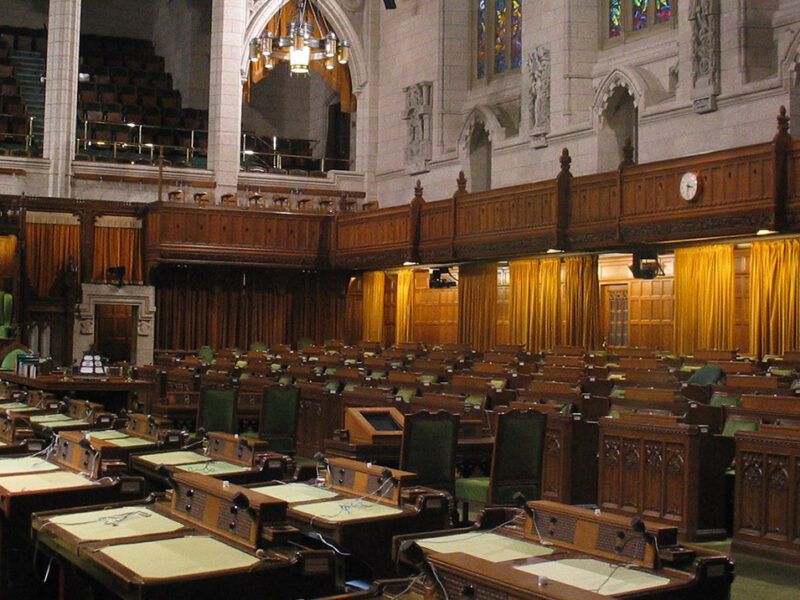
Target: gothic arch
[490,120]
[643,86]
[261,11]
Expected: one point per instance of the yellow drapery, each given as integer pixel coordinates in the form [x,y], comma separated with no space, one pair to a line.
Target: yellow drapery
[118,246]
[49,246]
[404,322]
[8,246]
[535,297]
[774,296]
[337,79]
[704,296]
[582,301]
[374,286]
[477,305]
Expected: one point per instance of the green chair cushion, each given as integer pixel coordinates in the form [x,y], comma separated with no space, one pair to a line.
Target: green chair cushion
[472,489]
[285,380]
[10,359]
[732,426]
[476,400]
[424,378]
[258,347]
[406,394]
[279,415]
[617,392]
[377,375]
[430,450]
[206,354]
[721,399]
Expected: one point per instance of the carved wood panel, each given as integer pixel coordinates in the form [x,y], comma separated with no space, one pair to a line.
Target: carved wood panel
[435,312]
[651,305]
[436,230]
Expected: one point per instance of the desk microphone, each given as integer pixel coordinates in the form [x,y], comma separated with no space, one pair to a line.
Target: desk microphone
[522,502]
[387,476]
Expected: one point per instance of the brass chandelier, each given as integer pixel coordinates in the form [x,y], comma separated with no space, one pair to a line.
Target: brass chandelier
[299,47]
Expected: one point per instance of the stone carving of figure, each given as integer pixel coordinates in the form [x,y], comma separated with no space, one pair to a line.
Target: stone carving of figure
[705,61]
[417,116]
[539,88]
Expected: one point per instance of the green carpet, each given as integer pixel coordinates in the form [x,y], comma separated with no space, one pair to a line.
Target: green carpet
[759,578]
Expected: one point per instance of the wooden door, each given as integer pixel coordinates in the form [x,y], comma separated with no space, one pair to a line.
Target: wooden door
[114,335]
[615,314]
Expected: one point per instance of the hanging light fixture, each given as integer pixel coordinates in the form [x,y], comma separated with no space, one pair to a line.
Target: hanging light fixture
[300,46]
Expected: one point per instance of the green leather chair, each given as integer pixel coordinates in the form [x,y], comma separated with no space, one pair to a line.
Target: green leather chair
[258,347]
[736,423]
[277,421]
[217,409]
[516,462]
[428,448]
[705,375]
[206,354]
[10,360]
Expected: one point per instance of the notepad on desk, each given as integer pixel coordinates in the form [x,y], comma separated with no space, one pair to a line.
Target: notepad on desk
[484,545]
[295,492]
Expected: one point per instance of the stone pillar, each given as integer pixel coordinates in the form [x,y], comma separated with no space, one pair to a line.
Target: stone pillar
[228,21]
[61,92]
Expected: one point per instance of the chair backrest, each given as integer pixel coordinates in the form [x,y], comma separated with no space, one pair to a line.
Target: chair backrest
[517,456]
[216,410]
[277,422]
[429,448]
[10,359]
[706,375]
[206,354]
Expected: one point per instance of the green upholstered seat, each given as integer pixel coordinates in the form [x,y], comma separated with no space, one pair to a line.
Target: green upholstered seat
[377,375]
[429,448]
[705,375]
[10,359]
[738,423]
[425,378]
[277,423]
[516,462]
[406,394]
[285,380]
[476,400]
[206,354]
[216,410]
[258,347]
[723,399]
[304,343]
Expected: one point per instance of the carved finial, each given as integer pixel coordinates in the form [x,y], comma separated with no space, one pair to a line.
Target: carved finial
[627,152]
[783,121]
[418,190]
[461,182]
[565,160]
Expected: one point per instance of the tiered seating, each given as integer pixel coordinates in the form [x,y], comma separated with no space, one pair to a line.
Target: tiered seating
[129,102]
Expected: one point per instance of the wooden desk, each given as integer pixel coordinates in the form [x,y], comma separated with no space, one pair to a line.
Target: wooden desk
[569,554]
[360,509]
[670,473]
[115,392]
[766,517]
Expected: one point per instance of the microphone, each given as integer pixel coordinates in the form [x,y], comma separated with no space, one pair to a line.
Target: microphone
[522,502]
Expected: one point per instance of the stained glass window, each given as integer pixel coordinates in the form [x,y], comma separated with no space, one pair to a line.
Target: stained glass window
[500,41]
[639,14]
[663,11]
[481,71]
[614,18]
[516,33]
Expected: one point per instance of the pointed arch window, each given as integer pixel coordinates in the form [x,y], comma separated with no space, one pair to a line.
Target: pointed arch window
[499,37]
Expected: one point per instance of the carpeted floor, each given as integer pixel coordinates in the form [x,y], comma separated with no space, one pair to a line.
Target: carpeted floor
[761,579]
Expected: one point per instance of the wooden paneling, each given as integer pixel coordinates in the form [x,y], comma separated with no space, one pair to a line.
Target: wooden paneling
[380,238]
[741,305]
[594,209]
[503,331]
[651,305]
[793,187]
[506,222]
[435,312]
[737,196]
[219,235]
[436,231]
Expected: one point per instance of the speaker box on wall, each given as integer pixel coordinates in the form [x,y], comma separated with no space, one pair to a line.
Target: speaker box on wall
[389,4]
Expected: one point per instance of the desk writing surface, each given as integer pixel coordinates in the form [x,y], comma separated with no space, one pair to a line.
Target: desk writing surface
[129,442]
[57,419]
[346,509]
[295,492]
[3,444]
[595,575]
[484,545]
[213,467]
[176,457]
[178,557]
[43,481]
[108,434]
[13,406]
[113,523]
[25,464]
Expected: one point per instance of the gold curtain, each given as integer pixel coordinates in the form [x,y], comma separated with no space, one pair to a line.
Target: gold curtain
[477,305]
[535,299]
[8,246]
[118,246]
[704,296]
[49,248]
[404,322]
[337,79]
[374,286]
[582,301]
[774,297]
